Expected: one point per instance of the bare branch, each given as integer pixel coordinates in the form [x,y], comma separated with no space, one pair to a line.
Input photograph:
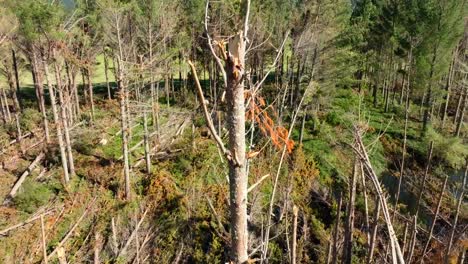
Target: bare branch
[210,44]
[207,114]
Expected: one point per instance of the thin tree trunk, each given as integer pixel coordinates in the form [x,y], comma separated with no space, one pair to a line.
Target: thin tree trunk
[447,88]
[373,240]
[114,243]
[121,83]
[459,103]
[294,239]
[426,172]
[403,154]
[146,139]
[362,152]
[405,237]
[301,135]
[336,231]
[412,240]
[40,95]
[65,121]
[460,121]
[349,226]
[124,129]
[6,106]
[15,68]
[461,259]
[4,115]
[436,214]
[23,176]
[366,207]
[154,101]
[106,73]
[43,239]
[57,121]
[90,91]
[236,126]
[166,87]
[97,246]
[457,214]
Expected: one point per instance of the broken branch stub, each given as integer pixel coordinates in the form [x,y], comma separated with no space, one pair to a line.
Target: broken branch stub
[236,56]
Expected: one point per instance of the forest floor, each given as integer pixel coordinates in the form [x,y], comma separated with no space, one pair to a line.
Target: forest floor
[97,148]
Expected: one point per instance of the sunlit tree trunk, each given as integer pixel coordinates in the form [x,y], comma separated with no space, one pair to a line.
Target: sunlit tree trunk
[58,125]
[39,87]
[237,166]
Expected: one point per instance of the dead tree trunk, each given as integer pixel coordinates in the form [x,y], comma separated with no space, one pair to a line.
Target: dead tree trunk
[106,73]
[40,94]
[362,153]
[447,88]
[436,214]
[90,91]
[236,127]
[412,240]
[457,214]
[294,239]
[57,121]
[336,231]
[6,105]
[43,238]
[349,226]
[124,128]
[24,175]
[146,139]
[403,153]
[460,120]
[373,240]
[65,121]
[366,206]
[426,172]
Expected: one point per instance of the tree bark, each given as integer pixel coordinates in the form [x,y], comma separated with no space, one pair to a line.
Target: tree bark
[403,154]
[39,87]
[373,240]
[294,239]
[447,89]
[146,139]
[15,68]
[436,214]
[43,238]
[349,226]
[58,125]
[106,73]
[336,231]
[90,91]
[24,175]
[426,172]
[457,214]
[236,126]
[460,121]
[412,244]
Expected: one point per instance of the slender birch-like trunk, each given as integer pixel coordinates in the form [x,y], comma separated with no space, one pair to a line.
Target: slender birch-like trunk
[65,121]
[348,242]
[336,231]
[457,214]
[436,214]
[374,231]
[58,123]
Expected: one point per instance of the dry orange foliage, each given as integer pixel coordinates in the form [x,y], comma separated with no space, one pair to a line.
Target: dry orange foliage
[258,111]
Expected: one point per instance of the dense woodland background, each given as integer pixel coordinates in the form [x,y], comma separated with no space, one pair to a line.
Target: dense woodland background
[197,131]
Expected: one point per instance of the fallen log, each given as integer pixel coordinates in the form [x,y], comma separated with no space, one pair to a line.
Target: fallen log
[5,231]
[123,251]
[21,179]
[71,231]
[361,152]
